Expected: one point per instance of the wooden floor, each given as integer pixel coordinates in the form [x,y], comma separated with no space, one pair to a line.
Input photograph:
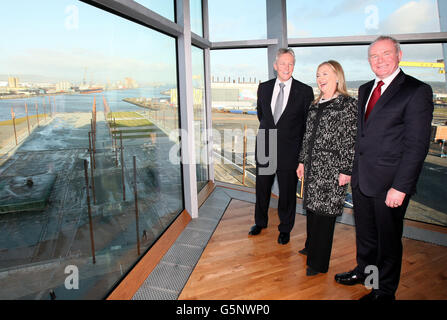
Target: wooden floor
[237,266]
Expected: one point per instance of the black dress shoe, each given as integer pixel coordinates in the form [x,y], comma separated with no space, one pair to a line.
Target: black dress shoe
[303,251]
[255,230]
[311,272]
[283,238]
[349,278]
[376,296]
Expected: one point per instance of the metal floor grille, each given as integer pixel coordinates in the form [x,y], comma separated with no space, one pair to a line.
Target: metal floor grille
[169,277]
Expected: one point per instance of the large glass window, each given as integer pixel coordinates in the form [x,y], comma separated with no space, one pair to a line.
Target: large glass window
[348,18]
[424,205]
[196,17]
[200,129]
[235,124]
[237,20]
[76,90]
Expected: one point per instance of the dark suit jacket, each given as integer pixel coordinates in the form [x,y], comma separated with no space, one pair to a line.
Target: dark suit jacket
[290,126]
[392,144]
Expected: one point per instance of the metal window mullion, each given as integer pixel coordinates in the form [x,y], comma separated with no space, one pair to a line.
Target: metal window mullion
[276,14]
[200,42]
[209,123]
[208,103]
[243,44]
[404,38]
[186,102]
[139,13]
[442,11]
[414,38]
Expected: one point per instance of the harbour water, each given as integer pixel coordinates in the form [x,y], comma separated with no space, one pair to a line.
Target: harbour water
[67,103]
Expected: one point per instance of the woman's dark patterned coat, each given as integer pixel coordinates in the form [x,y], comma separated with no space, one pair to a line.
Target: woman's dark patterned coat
[327,151]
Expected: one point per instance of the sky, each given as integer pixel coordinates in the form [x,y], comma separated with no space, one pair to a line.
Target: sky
[325,18]
[57,40]
[63,40]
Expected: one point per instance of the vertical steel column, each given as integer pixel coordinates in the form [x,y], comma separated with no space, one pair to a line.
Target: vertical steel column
[13,116]
[122,167]
[44,110]
[185,98]
[91,166]
[136,202]
[37,112]
[208,102]
[27,118]
[276,29]
[244,156]
[442,10]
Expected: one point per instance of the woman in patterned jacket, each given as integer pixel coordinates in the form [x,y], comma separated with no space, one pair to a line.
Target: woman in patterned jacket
[326,161]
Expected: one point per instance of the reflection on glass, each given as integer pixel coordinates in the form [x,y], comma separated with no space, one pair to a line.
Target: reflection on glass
[232,20]
[348,18]
[235,123]
[92,96]
[162,7]
[196,17]
[198,71]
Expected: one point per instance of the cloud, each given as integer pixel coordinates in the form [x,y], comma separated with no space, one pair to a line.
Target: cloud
[293,32]
[69,65]
[349,6]
[412,17]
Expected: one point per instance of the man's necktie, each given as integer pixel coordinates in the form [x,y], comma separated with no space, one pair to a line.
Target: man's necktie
[374,97]
[279,103]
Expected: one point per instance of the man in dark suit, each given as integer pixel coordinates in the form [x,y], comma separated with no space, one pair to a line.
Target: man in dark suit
[282,109]
[395,113]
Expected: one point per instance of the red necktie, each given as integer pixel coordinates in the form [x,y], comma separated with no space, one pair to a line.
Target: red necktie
[374,97]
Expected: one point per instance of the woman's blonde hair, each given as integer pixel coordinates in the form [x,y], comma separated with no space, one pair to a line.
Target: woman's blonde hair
[341,83]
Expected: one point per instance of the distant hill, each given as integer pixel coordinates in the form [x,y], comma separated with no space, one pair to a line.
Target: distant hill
[439,87]
[29,78]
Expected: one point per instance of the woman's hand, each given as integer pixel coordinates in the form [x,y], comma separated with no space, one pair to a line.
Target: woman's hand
[300,171]
[343,179]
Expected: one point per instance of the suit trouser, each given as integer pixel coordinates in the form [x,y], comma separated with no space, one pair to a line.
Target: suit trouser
[379,237]
[320,234]
[287,183]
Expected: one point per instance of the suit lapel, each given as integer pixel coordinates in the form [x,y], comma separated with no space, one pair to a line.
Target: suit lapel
[268,99]
[363,98]
[392,89]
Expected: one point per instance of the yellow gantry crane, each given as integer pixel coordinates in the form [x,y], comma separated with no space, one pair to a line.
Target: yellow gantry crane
[439,65]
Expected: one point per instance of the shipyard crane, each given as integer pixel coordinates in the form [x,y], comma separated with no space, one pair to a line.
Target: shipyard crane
[439,64]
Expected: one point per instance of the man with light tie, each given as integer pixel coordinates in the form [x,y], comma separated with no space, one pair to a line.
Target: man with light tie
[282,110]
[393,135]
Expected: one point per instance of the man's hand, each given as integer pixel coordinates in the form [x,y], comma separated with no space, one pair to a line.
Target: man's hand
[394,198]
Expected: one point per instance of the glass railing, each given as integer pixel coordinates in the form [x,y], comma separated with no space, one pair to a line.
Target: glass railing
[427,204]
[235,126]
[234,138]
